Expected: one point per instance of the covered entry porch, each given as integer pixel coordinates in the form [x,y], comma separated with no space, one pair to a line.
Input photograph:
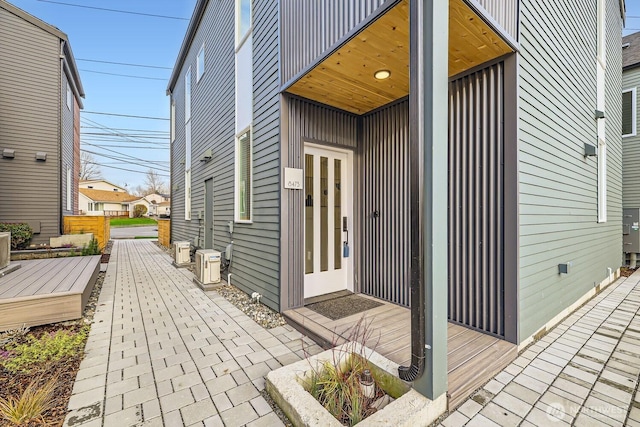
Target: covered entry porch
[361,98]
[473,358]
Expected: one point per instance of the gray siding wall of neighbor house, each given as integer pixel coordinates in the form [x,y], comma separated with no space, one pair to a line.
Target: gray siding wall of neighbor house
[29,122]
[558,185]
[631,148]
[256,247]
[310,28]
[503,12]
[384,177]
[67,146]
[306,121]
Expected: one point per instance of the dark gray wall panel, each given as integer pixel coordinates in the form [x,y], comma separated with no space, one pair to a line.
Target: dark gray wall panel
[307,122]
[476,200]
[30,98]
[386,251]
[310,28]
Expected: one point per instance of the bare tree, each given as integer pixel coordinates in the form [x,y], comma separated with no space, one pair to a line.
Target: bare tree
[89,169]
[153,183]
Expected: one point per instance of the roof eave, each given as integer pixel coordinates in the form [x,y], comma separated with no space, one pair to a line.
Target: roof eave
[196,17]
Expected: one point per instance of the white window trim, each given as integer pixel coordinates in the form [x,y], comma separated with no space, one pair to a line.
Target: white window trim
[241,38]
[187,95]
[199,72]
[187,195]
[68,97]
[601,33]
[69,195]
[634,112]
[173,120]
[236,200]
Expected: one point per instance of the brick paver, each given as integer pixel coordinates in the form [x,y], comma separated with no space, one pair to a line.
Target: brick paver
[163,352]
[584,372]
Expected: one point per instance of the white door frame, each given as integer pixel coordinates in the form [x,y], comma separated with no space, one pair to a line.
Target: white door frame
[319,283]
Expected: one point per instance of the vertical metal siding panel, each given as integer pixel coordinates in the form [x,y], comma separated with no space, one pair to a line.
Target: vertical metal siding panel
[311,28]
[504,12]
[476,200]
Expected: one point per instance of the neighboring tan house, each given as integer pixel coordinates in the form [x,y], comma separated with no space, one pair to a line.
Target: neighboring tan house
[39,123]
[163,209]
[107,203]
[490,188]
[101,184]
[157,203]
[630,123]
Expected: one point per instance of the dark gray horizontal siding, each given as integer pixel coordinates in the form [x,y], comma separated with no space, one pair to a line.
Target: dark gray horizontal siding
[308,122]
[310,28]
[30,94]
[558,186]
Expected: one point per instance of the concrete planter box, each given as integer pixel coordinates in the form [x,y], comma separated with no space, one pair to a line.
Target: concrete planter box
[75,240]
[410,409]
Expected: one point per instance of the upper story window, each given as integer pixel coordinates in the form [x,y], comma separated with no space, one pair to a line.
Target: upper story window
[243,20]
[69,97]
[629,114]
[187,96]
[200,64]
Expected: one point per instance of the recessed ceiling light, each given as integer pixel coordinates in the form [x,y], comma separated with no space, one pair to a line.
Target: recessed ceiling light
[382,74]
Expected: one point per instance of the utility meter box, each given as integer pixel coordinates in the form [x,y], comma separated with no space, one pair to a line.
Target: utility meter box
[631,230]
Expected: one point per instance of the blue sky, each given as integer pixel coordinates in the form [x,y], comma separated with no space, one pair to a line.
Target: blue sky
[101,35]
[116,37]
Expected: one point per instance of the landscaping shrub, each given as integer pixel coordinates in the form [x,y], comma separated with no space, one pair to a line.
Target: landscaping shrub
[37,353]
[21,234]
[92,249]
[31,405]
[139,211]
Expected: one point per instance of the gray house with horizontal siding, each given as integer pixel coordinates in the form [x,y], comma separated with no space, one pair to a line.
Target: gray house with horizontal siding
[381,147]
[39,124]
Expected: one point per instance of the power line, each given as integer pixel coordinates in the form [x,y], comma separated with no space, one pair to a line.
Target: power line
[122,75]
[152,136]
[127,129]
[122,115]
[124,63]
[104,165]
[125,156]
[116,10]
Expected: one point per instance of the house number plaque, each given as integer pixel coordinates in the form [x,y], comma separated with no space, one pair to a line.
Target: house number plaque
[293,179]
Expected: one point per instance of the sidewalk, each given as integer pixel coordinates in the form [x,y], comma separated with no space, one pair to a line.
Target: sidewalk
[163,353]
[583,373]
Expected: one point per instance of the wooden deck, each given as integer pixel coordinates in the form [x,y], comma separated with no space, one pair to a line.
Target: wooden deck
[47,290]
[473,357]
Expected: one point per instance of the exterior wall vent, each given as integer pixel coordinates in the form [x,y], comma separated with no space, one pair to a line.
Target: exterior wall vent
[8,153]
[41,157]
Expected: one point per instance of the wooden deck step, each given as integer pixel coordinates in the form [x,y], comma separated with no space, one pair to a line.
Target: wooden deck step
[47,291]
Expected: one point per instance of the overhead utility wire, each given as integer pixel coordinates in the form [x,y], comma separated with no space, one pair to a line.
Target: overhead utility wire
[124,63]
[128,129]
[118,134]
[116,10]
[121,75]
[125,155]
[124,169]
[124,115]
[154,167]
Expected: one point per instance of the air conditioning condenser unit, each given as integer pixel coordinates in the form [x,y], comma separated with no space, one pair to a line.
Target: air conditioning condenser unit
[207,267]
[182,253]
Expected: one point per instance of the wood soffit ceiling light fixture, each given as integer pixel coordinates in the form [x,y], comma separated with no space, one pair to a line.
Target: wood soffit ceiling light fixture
[344,79]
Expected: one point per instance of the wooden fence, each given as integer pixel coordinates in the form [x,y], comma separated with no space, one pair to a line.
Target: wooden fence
[98,225]
[164,232]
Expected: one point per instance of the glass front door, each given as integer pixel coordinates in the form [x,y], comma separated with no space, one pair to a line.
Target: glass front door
[327,221]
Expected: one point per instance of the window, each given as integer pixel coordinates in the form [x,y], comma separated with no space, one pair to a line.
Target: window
[243,177]
[69,196]
[243,19]
[629,114]
[187,173]
[69,97]
[200,64]
[173,120]
[187,96]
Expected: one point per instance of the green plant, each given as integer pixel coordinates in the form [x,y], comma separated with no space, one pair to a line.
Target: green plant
[21,233]
[31,405]
[139,211]
[40,352]
[92,248]
[7,337]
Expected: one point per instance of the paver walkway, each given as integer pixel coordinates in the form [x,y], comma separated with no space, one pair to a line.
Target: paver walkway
[164,353]
[583,373]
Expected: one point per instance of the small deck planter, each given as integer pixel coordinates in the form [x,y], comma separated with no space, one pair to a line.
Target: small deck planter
[409,408]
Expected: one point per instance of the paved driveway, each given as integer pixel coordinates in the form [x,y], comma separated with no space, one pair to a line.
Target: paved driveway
[162,352]
[133,232]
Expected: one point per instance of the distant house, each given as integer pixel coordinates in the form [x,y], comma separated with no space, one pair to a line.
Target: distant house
[107,203]
[101,184]
[464,163]
[163,209]
[157,203]
[630,135]
[39,123]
